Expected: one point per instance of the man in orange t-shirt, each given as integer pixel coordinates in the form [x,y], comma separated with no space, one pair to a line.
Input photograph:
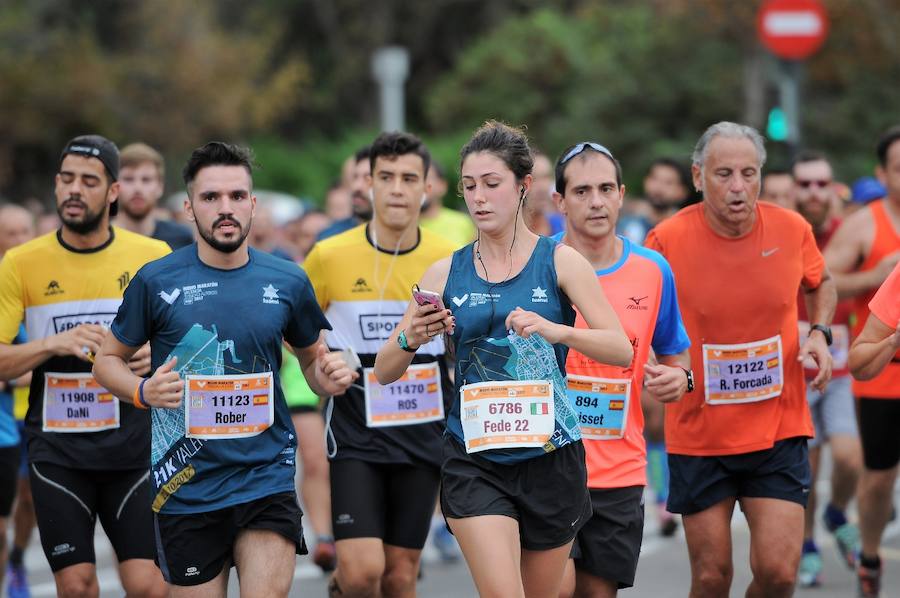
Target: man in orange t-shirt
[741,435]
[863,252]
[641,289]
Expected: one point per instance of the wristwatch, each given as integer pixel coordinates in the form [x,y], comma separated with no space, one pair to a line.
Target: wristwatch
[404,344]
[825,330]
[690,379]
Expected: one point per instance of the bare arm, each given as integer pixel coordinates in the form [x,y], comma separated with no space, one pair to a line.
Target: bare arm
[873,349]
[326,372]
[845,252]
[17,360]
[420,323]
[114,370]
[820,305]
[666,381]
[605,341]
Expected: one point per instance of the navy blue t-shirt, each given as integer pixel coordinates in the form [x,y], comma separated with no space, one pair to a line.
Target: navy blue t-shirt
[219,322]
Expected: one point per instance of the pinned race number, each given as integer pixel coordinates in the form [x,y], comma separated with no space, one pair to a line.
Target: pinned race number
[76,403]
[602,405]
[415,398]
[743,373]
[220,407]
[508,414]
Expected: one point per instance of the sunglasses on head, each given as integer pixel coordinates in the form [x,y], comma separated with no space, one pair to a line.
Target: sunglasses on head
[583,146]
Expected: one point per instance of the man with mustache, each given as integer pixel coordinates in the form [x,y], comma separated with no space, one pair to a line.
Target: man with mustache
[141,184]
[833,410]
[88,453]
[359,187]
[222,456]
[741,435]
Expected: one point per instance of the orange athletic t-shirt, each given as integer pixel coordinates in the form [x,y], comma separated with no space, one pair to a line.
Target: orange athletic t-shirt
[885,385]
[886,302]
[734,291]
[840,323]
[641,289]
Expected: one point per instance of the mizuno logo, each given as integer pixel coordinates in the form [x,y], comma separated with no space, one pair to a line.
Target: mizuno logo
[636,303]
[170,297]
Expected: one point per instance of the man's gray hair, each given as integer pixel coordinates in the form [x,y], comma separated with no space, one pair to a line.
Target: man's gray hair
[733,131]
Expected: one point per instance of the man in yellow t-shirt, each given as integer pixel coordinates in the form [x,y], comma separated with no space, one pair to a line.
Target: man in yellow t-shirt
[89,454]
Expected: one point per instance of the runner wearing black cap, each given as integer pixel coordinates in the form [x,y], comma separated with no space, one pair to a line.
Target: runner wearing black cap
[88,453]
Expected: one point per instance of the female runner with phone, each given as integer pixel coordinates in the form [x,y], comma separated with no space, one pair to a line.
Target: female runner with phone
[513,480]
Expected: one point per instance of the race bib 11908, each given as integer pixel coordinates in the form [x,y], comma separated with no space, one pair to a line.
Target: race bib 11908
[76,403]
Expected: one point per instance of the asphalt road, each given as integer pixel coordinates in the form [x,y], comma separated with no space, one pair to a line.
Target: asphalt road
[663,570]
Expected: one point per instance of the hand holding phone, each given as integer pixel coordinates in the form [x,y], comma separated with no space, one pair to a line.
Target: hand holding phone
[427,297]
[430,322]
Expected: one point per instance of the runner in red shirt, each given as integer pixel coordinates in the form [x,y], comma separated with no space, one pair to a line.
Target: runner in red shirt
[874,348]
[641,289]
[833,410]
[741,435]
[864,251]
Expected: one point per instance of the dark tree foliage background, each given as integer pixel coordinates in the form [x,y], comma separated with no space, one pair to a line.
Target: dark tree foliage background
[292,78]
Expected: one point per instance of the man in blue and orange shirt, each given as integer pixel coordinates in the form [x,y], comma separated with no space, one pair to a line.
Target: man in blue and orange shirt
[641,289]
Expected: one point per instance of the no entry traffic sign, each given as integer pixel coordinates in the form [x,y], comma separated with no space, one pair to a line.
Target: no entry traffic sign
[792,29]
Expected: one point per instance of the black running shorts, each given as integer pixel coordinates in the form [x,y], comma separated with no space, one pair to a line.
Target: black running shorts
[547,495]
[67,503]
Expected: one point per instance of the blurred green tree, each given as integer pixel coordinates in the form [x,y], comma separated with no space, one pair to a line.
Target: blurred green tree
[167,73]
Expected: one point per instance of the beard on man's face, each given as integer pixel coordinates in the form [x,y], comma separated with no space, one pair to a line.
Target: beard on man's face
[229,246]
[87,223]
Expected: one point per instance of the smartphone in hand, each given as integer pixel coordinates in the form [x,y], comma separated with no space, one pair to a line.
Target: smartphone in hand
[423,297]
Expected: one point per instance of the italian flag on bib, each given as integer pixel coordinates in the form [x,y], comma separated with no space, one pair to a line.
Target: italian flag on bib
[540,408]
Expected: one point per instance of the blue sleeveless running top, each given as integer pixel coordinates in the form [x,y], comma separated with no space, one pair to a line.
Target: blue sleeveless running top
[485,351]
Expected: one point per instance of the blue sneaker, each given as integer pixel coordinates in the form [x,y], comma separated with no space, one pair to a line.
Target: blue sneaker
[809,574]
[17,581]
[846,537]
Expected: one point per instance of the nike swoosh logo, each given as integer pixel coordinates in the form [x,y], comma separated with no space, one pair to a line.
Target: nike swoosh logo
[460,300]
[170,297]
[768,252]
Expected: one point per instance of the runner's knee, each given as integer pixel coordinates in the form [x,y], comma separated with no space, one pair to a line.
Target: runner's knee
[714,579]
[359,579]
[397,581]
[76,585]
[776,578]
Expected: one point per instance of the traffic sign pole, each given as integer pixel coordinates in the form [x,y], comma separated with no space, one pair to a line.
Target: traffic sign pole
[793,30]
